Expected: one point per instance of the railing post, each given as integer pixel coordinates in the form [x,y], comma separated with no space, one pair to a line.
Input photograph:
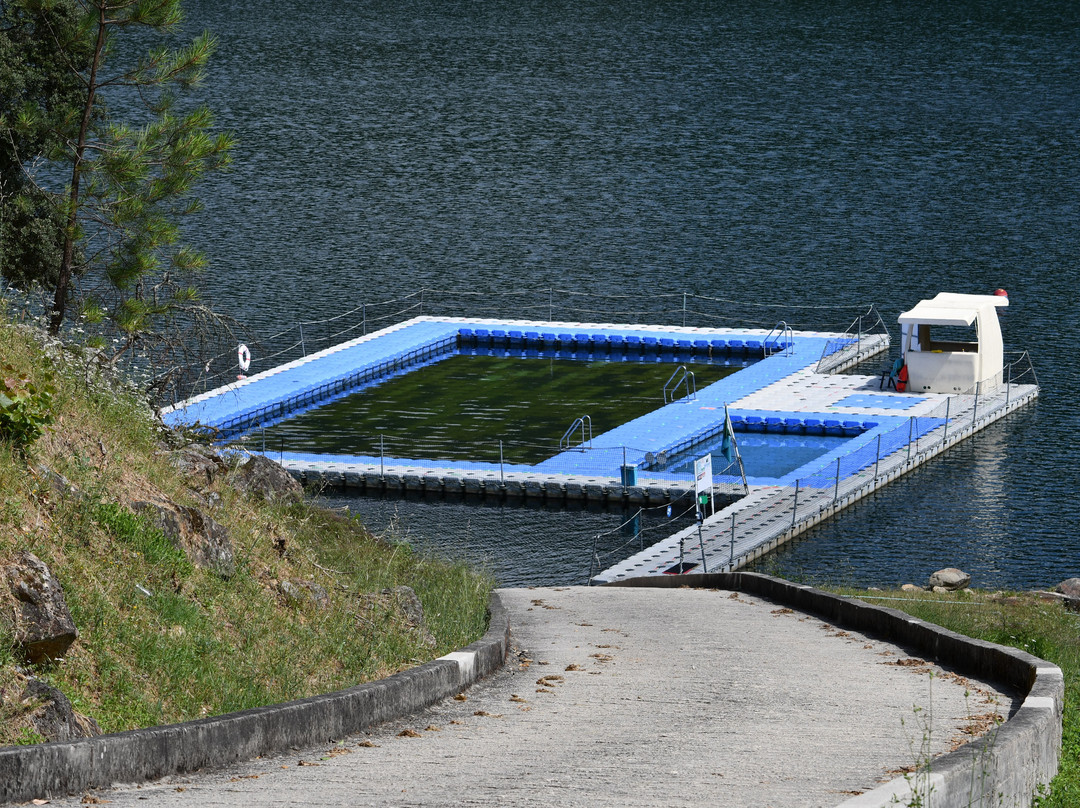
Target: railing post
[382,459]
[593,558]
[836,491]
[731,563]
[701,542]
[795,507]
[502,476]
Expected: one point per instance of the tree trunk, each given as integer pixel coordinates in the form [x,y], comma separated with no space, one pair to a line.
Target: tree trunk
[67,261]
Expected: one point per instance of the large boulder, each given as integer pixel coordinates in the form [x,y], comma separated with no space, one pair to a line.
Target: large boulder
[303,593]
[40,622]
[52,715]
[58,483]
[950,579]
[198,460]
[1070,588]
[213,549]
[262,477]
[204,541]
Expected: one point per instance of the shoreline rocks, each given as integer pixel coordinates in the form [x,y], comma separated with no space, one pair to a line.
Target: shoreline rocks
[949,579]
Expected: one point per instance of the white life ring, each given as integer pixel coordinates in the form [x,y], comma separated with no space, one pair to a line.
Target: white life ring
[243,356]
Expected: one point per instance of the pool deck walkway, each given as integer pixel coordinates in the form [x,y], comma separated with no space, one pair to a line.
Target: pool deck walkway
[772,514]
[634,697]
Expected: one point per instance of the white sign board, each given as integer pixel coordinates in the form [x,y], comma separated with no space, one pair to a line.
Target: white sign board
[703,474]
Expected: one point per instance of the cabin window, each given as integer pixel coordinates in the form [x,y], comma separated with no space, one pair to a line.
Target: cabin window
[949,338]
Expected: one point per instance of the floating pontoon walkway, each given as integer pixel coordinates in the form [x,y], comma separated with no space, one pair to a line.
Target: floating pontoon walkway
[791,388]
[772,514]
[592,472]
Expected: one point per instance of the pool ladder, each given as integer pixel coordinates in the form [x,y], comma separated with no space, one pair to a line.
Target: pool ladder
[782,338]
[681,377]
[584,423]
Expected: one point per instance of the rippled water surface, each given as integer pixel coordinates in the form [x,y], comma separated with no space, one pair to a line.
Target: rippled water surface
[464,407]
[782,153]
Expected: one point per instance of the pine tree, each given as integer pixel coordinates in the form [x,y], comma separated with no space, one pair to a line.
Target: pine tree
[39,93]
[127,184]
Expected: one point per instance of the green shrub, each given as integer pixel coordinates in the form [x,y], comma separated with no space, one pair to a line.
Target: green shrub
[25,406]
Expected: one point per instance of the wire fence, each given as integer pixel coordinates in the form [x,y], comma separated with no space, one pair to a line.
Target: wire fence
[555,305]
[496,461]
[615,544]
[211,359]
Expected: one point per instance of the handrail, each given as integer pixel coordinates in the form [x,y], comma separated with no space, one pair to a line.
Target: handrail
[780,331]
[185,375]
[583,421]
[852,339]
[687,378]
[1022,358]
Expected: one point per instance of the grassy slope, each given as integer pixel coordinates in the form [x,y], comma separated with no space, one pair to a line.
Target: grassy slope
[198,645]
[1043,628]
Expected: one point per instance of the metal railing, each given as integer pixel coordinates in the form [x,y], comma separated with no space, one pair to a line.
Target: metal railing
[681,377]
[219,366]
[853,343]
[890,452]
[781,338]
[640,538]
[584,423]
[496,459]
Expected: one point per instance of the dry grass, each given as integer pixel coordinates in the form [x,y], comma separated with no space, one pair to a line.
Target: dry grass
[198,644]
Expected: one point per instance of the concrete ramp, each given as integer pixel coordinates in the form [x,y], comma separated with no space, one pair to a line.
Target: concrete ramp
[640,696]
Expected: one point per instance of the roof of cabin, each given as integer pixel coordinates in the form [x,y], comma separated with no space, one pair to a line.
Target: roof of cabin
[948,308]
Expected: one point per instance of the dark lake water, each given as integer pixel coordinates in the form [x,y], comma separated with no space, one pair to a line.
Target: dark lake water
[774,153]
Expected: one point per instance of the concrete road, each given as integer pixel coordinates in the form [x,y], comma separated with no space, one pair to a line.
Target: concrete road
[637,697]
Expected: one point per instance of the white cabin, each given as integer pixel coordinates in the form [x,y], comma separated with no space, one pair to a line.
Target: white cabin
[952,344]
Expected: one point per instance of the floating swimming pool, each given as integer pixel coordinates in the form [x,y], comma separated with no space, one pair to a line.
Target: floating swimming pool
[763,455]
[463,405]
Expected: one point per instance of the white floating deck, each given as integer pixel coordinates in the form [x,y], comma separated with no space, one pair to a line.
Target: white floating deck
[771,515]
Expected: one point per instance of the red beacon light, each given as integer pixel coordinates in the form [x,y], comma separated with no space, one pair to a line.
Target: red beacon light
[1000,293]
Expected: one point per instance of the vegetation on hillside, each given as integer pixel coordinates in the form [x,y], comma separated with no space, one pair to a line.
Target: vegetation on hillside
[161,638]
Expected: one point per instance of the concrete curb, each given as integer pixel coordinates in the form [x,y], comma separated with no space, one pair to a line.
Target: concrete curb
[1005,766]
[55,769]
